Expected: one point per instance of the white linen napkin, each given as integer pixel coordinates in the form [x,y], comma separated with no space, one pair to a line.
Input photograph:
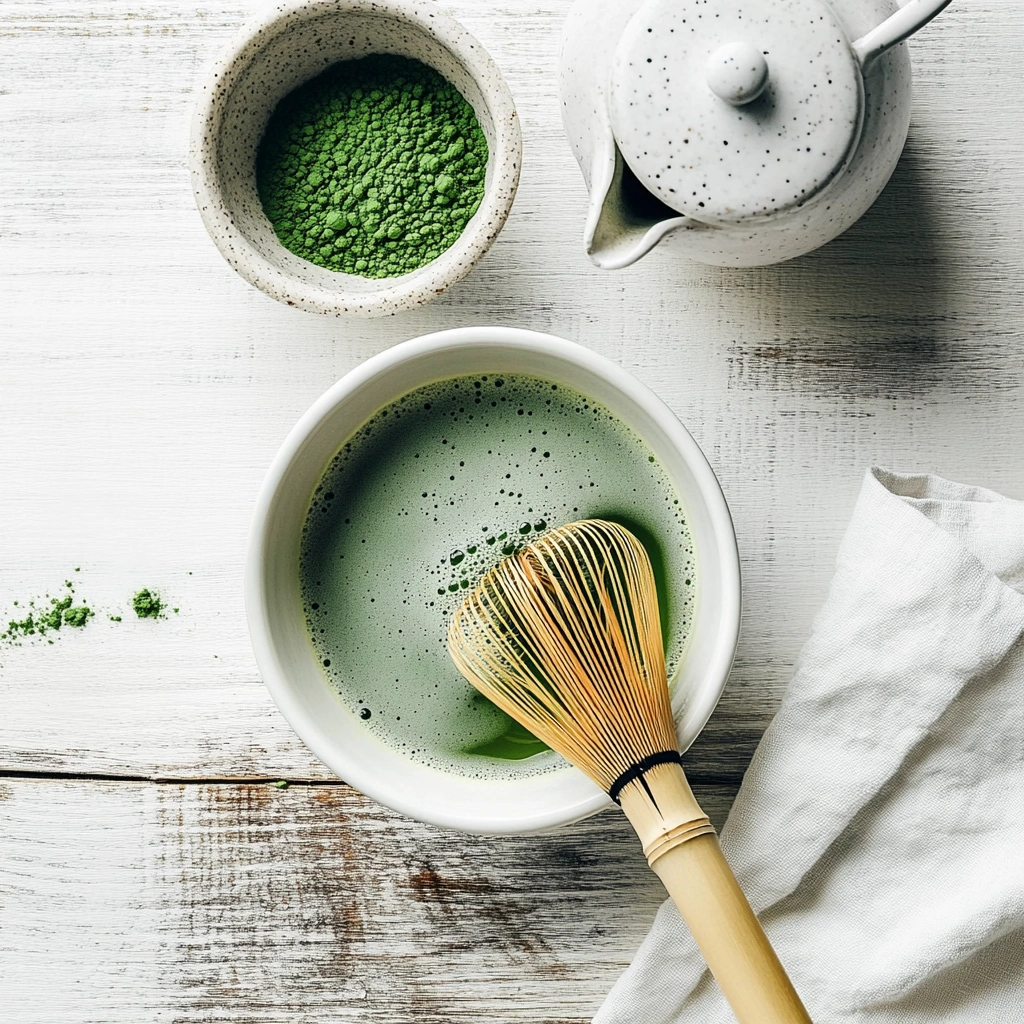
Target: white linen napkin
[879,831]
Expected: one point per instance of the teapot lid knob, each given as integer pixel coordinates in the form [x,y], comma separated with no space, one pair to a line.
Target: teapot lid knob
[737,73]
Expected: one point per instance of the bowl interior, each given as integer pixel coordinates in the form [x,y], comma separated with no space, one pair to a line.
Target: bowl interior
[284,56]
[278,626]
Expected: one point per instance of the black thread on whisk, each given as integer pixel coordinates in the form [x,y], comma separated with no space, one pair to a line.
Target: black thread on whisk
[643,765]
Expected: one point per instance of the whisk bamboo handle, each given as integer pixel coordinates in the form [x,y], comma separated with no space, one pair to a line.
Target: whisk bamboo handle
[734,945]
[683,851]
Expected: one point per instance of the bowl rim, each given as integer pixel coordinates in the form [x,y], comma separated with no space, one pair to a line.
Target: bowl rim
[274,674]
[397,293]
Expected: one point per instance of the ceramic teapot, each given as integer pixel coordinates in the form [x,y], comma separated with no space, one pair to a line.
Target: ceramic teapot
[739,132]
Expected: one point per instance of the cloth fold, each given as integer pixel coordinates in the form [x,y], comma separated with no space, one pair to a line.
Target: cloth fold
[879,830]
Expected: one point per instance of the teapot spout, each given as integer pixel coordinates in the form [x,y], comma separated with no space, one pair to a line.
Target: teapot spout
[624,221]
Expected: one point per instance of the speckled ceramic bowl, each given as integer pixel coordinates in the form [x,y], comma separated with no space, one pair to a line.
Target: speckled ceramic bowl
[292,669]
[279,51]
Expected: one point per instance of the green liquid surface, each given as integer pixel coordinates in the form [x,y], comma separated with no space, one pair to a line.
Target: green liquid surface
[428,495]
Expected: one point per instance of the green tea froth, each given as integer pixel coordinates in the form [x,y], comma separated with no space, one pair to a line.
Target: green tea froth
[423,499]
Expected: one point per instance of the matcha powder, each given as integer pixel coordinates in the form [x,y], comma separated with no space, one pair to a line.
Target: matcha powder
[373,168]
[147,605]
[44,615]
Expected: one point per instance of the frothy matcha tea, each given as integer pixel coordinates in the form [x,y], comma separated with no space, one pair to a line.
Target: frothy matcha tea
[426,496]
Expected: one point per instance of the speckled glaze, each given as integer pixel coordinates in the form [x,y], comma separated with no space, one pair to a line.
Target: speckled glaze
[667,159]
[725,163]
[278,51]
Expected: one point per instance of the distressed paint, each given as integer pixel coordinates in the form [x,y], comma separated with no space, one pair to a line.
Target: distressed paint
[144,389]
[243,902]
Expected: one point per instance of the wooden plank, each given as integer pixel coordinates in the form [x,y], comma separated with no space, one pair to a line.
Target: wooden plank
[145,387]
[133,902]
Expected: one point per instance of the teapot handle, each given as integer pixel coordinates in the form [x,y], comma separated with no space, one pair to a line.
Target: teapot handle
[905,22]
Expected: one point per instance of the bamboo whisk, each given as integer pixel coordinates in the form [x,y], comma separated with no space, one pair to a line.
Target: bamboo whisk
[565,637]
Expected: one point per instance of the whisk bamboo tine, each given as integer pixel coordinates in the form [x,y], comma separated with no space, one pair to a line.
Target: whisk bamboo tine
[565,637]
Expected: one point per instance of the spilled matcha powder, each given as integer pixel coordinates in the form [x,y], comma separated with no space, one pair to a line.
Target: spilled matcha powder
[42,616]
[373,168]
[147,605]
[45,615]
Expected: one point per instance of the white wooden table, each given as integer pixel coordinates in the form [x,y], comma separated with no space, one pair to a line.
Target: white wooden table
[149,869]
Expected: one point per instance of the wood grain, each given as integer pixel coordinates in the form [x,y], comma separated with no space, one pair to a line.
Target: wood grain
[144,389]
[129,902]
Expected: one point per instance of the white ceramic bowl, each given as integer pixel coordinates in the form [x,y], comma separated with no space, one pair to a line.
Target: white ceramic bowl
[274,607]
[279,51]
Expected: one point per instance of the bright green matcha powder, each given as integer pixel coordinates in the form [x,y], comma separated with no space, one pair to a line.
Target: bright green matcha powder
[373,168]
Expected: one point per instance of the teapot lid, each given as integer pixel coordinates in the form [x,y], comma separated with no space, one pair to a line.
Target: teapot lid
[729,110]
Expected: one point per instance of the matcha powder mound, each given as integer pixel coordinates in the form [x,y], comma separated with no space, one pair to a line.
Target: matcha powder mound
[147,605]
[373,168]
